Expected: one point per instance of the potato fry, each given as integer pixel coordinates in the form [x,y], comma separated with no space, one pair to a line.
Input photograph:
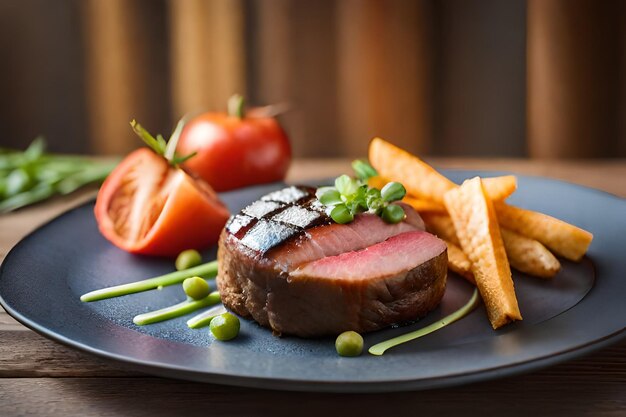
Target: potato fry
[529,255]
[562,238]
[525,254]
[424,206]
[419,178]
[423,181]
[441,225]
[499,188]
[476,224]
[377,182]
[458,262]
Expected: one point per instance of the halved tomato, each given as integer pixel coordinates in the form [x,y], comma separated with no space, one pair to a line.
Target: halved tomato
[146,206]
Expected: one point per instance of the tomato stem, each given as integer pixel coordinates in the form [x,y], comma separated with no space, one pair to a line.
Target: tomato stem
[166,149]
[236,106]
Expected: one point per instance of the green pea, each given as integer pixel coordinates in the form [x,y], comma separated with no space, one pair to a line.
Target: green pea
[341,214]
[349,344]
[393,191]
[188,259]
[196,288]
[393,214]
[225,326]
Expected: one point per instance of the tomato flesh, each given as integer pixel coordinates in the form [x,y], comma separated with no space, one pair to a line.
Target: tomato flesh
[146,206]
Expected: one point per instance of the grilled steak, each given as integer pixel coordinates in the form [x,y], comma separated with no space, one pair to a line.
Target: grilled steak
[286,264]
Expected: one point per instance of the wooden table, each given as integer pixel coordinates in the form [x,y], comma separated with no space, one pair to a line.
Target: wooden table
[41,377]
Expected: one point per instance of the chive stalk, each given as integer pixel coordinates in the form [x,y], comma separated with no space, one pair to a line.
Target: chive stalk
[380,348]
[204,319]
[177,310]
[207,270]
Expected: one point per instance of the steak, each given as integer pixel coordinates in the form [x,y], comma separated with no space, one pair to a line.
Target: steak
[286,264]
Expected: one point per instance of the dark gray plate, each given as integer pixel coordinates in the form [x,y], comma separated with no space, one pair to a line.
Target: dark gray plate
[581,309]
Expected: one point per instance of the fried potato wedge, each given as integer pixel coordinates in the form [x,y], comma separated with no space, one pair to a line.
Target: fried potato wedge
[476,225]
[499,188]
[441,225]
[377,182]
[420,179]
[562,238]
[525,254]
[529,255]
[424,206]
[459,263]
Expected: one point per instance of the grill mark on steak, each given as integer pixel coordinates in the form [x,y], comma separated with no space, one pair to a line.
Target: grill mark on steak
[266,234]
[277,217]
[290,195]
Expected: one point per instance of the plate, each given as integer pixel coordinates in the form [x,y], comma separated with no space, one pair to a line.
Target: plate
[581,309]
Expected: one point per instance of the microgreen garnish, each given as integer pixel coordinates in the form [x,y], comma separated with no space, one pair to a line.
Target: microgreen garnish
[351,196]
[363,169]
[158,144]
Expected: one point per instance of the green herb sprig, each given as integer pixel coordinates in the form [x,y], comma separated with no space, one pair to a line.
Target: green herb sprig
[31,176]
[351,196]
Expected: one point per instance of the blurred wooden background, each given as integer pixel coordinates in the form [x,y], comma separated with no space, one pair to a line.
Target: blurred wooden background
[537,78]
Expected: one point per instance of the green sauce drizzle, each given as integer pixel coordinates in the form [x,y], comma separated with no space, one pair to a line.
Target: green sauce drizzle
[206,270]
[380,348]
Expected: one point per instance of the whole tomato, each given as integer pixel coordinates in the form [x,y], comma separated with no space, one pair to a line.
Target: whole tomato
[148,205]
[234,149]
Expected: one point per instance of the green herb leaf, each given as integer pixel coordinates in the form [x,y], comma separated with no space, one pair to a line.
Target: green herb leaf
[322,190]
[18,181]
[363,169]
[393,214]
[37,194]
[341,214]
[393,191]
[346,185]
[36,149]
[330,197]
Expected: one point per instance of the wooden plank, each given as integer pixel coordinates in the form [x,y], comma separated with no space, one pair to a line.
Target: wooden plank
[292,53]
[385,73]
[573,78]
[480,78]
[208,55]
[9,323]
[28,355]
[518,396]
[126,71]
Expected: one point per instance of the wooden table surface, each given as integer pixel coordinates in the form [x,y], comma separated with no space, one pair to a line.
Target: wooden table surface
[41,377]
